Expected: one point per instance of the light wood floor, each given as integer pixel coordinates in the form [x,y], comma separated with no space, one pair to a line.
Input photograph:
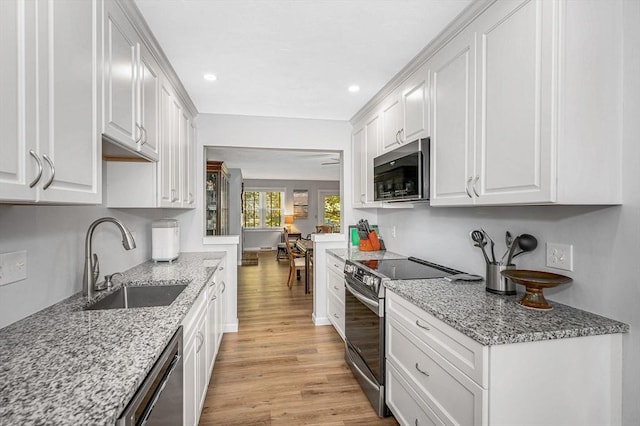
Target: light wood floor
[279,369]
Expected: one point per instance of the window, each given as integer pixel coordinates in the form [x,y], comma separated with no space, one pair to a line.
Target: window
[329,211]
[262,209]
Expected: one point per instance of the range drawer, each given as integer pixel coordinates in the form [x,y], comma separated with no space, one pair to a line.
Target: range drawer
[463,352]
[453,396]
[335,312]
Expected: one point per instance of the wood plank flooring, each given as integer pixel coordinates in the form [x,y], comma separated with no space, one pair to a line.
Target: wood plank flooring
[280,369]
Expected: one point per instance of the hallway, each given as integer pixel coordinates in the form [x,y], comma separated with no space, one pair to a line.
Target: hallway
[279,369]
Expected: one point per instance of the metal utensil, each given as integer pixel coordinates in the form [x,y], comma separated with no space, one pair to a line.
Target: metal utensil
[527,243]
[508,240]
[493,253]
[514,245]
[478,237]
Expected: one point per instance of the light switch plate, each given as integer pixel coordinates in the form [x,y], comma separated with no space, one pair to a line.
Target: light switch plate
[13,267]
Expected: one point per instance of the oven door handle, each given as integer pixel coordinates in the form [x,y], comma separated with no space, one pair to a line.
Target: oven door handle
[353,364]
[374,306]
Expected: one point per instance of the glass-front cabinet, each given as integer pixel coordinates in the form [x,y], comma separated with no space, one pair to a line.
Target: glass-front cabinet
[216,199]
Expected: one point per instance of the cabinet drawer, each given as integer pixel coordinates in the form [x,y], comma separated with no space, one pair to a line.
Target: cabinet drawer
[335,312]
[453,396]
[405,404]
[463,352]
[335,264]
[335,285]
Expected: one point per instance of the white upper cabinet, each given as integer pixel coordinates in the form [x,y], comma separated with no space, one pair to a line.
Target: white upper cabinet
[514,103]
[121,48]
[365,143]
[452,148]
[534,134]
[415,105]
[131,86]
[50,111]
[149,105]
[358,150]
[392,131]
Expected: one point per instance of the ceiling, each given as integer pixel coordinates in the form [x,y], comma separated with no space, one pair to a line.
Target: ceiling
[292,58]
[276,164]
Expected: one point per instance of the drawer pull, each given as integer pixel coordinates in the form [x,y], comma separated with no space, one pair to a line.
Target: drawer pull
[416,422]
[336,315]
[336,287]
[422,326]
[422,371]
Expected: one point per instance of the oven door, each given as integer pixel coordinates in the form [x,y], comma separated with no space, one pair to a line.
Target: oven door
[364,330]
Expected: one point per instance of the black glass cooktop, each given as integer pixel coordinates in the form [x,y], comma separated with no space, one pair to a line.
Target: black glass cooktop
[408,269]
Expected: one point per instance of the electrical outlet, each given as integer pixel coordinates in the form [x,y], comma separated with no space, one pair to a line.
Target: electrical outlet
[560,256]
[13,267]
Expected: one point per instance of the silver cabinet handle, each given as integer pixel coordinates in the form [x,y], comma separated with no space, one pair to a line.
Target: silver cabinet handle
[421,371]
[466,187]
[173,197]
[221,268]
[214,297]
[224,286]
[336,287]
[190,198]
[53,171]
[474,186]
[202,342]
[144,140]
[400,133]
[416,422]
[39,163]
[398,136]
[336,315]
[422,326]
[139,128]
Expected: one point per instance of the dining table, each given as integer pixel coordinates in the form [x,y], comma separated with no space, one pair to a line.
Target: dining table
[306,247]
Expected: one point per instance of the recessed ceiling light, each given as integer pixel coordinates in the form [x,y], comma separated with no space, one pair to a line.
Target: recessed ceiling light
[354,88]
[210,77]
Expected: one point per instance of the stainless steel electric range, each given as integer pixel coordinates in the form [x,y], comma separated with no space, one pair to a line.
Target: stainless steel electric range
[364,317]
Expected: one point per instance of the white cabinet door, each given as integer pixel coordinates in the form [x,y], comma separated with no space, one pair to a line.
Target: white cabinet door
[211,327]
[372,141]
[358,151]
[392,132]
[191,166]
[17,166]
[165,165]
[149,105]
[415,107]
[513,112]
[185,145]
[202,373]
[120,78]
[452,141]
[50,109]
[176,166]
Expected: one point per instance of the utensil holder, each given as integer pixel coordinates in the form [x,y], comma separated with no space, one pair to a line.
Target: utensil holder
[496,283]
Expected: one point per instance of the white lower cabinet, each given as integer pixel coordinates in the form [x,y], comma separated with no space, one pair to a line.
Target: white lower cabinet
[202,334]
[335,293]
[436,375]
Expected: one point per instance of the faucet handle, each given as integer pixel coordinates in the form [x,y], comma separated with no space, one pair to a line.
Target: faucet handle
[96,267]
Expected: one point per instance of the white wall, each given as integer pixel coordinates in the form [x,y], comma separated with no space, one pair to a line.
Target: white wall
[53,237]
[606,240]
[260,132]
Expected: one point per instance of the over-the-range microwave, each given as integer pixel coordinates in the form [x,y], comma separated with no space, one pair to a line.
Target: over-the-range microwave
[403,173]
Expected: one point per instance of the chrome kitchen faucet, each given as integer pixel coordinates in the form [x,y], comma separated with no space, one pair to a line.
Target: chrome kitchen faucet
[91,265]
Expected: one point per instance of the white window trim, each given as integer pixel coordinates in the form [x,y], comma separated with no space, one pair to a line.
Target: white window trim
[321,195]
[262,190]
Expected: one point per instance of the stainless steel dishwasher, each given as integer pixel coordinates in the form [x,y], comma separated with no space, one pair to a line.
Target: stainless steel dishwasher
[158,401]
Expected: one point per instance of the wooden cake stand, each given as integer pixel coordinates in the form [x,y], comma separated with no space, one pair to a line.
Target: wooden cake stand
[535,282]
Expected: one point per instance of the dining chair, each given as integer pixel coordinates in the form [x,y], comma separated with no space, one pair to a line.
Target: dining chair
[296,260]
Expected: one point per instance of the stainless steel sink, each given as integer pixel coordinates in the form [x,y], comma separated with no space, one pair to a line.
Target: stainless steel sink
[139,297]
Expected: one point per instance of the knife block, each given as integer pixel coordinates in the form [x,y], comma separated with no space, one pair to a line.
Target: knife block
[372,243]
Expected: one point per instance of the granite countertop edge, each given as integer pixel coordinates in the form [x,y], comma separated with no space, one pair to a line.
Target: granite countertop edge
[491,319]
[83,367]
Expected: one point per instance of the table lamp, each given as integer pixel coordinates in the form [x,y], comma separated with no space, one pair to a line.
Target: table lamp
[288,221]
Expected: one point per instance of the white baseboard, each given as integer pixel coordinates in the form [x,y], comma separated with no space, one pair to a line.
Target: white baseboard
[320,320]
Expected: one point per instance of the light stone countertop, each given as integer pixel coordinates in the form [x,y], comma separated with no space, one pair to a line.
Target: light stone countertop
[67,366]
[492,319]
